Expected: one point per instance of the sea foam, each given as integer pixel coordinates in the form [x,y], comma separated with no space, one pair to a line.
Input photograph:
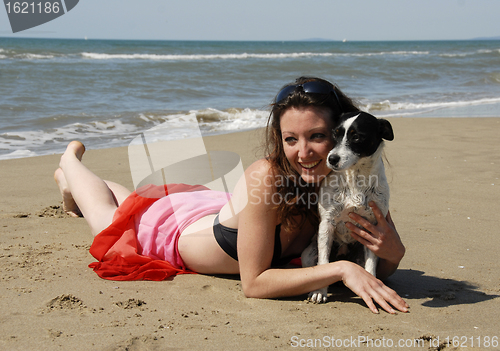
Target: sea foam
[117,132]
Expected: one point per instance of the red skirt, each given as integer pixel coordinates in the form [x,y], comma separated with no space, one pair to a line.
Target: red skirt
[116,247]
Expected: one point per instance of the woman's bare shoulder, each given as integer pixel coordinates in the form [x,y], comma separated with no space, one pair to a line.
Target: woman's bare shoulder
[260,172]
[262,165]
[251,196]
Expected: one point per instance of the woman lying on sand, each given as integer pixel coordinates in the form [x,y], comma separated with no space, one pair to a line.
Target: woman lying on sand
[269,234]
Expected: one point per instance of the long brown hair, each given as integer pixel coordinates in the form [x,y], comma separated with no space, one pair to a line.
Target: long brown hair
[300,196]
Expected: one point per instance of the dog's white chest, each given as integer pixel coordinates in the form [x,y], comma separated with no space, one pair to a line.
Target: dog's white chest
[343,193]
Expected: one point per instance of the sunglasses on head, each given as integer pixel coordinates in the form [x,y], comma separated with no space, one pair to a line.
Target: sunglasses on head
[314,87]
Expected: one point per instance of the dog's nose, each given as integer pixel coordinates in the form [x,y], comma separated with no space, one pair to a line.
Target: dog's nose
[334,160]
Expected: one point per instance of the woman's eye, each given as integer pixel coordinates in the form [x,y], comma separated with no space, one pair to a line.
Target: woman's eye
[290,140]
[317,136]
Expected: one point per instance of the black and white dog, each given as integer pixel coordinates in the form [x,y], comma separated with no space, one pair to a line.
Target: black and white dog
[358,177]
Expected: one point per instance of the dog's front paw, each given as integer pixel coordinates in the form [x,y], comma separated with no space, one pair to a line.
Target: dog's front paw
[318,296]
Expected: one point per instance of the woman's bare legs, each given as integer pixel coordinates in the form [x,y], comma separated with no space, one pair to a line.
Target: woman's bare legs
[69,204]
[84,192]
[120,193]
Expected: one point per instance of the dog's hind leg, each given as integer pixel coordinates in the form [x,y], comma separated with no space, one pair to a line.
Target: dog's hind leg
[370,262]
[309,256]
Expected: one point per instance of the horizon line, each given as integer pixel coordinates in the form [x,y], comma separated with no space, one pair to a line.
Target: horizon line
[261,40]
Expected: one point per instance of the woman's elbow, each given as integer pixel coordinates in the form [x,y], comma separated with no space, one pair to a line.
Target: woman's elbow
[252,290]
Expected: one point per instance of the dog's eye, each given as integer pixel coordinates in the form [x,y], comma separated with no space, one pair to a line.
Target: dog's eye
[356,138]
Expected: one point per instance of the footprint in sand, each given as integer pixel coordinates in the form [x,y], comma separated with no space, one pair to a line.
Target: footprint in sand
[65,302]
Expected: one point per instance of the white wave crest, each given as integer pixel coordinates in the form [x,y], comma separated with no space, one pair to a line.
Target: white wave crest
[99,56]
[470,53]
[242,56]
[391,53]
[235,119]
[245,55]
[34,56]
[411,108]
[209,57]
[18,154]
[210,121]
[115,131]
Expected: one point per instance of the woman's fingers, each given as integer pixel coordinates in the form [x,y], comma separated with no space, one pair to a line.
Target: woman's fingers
[381,238]
[382,303]
[360,238]
[387,298]
[382,222]
[369,302]
[391,297]
[372,291]
[363,236]
[389,220]
[387,301]
[363,222]
[376,211]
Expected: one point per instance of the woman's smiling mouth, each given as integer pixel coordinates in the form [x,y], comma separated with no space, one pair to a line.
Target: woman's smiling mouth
[309,165]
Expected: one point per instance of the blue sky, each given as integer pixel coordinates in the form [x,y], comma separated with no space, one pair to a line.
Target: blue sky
[271,20]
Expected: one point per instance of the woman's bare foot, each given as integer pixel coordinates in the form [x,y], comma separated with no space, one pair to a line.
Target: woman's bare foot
[74,148]
[68,203]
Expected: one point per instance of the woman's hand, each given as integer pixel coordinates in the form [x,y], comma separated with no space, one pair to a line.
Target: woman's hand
[371,289]
[382,239]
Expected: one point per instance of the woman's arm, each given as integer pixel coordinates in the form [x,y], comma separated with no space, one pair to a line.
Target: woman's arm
[256,228]
[292,282]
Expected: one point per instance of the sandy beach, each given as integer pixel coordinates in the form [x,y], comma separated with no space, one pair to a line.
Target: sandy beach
[444,177]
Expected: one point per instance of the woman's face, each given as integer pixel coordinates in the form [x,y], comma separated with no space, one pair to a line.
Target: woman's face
[307,139]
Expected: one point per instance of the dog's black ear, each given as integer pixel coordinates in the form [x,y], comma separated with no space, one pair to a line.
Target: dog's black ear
[385,129]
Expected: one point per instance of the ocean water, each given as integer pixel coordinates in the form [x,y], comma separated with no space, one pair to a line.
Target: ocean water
[106,92]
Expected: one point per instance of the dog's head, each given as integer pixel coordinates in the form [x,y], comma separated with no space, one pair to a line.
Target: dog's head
[358,135]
